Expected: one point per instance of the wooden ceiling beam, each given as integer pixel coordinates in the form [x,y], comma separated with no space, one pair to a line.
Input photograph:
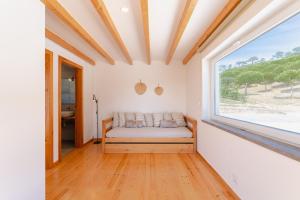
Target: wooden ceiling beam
[145,16]
[61,42]
[104,14]
[187,13]
[227,10]
[63,14]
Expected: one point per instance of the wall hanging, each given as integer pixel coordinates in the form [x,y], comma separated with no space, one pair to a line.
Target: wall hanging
[159,90]
[140,88]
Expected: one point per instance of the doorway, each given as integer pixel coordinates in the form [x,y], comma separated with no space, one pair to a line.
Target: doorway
[48,109]
[70,106]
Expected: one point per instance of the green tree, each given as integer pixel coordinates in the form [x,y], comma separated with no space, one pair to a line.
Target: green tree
[253,59]
[289,77]
[268,78]
[278,54]
[262,60]
[296,50]
[222,68]
[238,63]
[279,69]
[247,78]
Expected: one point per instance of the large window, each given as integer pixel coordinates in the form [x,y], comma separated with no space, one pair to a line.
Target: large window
[259,83]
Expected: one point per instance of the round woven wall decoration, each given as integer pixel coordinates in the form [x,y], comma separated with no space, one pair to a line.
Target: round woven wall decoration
[159,90]
[140,88]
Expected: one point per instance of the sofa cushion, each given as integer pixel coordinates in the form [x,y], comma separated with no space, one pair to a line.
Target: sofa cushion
[168,116]
[178,117]
[157,117]
[180,132]
[149,120]
[115,120]
[168,124]
[129,116]
[140,117]
[134,124]
[130,124]
[122,119]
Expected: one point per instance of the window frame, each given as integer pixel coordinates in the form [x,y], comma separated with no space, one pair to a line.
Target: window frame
[281,135]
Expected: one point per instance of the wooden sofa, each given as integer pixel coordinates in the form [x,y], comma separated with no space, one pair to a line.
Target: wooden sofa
[149,145]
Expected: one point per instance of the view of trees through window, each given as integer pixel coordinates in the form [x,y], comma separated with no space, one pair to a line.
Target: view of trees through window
[260,82]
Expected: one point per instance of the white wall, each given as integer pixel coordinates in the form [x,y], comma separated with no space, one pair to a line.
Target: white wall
[252,171]
[114,86]
[87,93]
[22,101]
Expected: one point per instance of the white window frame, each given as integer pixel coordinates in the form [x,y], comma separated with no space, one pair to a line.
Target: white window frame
[260,28]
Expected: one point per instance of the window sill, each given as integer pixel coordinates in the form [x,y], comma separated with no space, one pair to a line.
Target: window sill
[274,145]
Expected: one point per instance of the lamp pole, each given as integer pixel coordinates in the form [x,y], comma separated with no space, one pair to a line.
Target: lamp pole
[97,118]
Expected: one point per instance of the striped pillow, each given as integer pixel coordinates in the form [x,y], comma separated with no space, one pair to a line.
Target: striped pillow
[121,119]
[140,117]
[129,116]
[178,117]
[168,116]
[149,120]
[157,117]
[115,120]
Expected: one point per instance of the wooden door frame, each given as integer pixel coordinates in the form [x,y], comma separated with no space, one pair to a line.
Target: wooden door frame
[49,110]
[78,103]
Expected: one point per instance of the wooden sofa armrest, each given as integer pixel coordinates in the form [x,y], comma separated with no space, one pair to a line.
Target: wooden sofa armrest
[192,125]
[106,126]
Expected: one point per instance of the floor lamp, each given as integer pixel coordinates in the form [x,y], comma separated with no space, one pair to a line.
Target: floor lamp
[97,119]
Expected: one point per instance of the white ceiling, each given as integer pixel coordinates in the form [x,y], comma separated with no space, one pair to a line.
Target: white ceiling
[164,16]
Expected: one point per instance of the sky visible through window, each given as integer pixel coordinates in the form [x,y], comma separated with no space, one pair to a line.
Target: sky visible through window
[284,37]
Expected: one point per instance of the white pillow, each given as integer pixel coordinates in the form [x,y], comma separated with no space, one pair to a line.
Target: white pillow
[129,116]
[121,119]
[149,120]
[168,116]
[157,117]
[178,117]
[115,120]
[140,117]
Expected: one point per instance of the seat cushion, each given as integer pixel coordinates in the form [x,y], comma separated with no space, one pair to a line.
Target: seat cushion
[180,132]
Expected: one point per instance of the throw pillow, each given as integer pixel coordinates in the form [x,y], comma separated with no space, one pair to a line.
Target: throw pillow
[129,116]
[139,123]
[168,124]
[140,117]
[157,117]
[167,116]
[122,119]
[115,120]
[130,124]
[178,117]
[149,120]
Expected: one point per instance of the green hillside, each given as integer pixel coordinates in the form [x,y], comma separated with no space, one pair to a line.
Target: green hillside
[285,70]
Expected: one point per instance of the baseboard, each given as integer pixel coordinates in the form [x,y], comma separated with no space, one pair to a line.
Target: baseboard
[99,139]
[55,164]
[217,176]
[89,141]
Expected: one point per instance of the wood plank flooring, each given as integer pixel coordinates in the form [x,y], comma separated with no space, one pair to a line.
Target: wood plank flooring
[87,174]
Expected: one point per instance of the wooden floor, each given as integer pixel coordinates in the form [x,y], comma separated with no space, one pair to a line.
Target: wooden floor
[87,174]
